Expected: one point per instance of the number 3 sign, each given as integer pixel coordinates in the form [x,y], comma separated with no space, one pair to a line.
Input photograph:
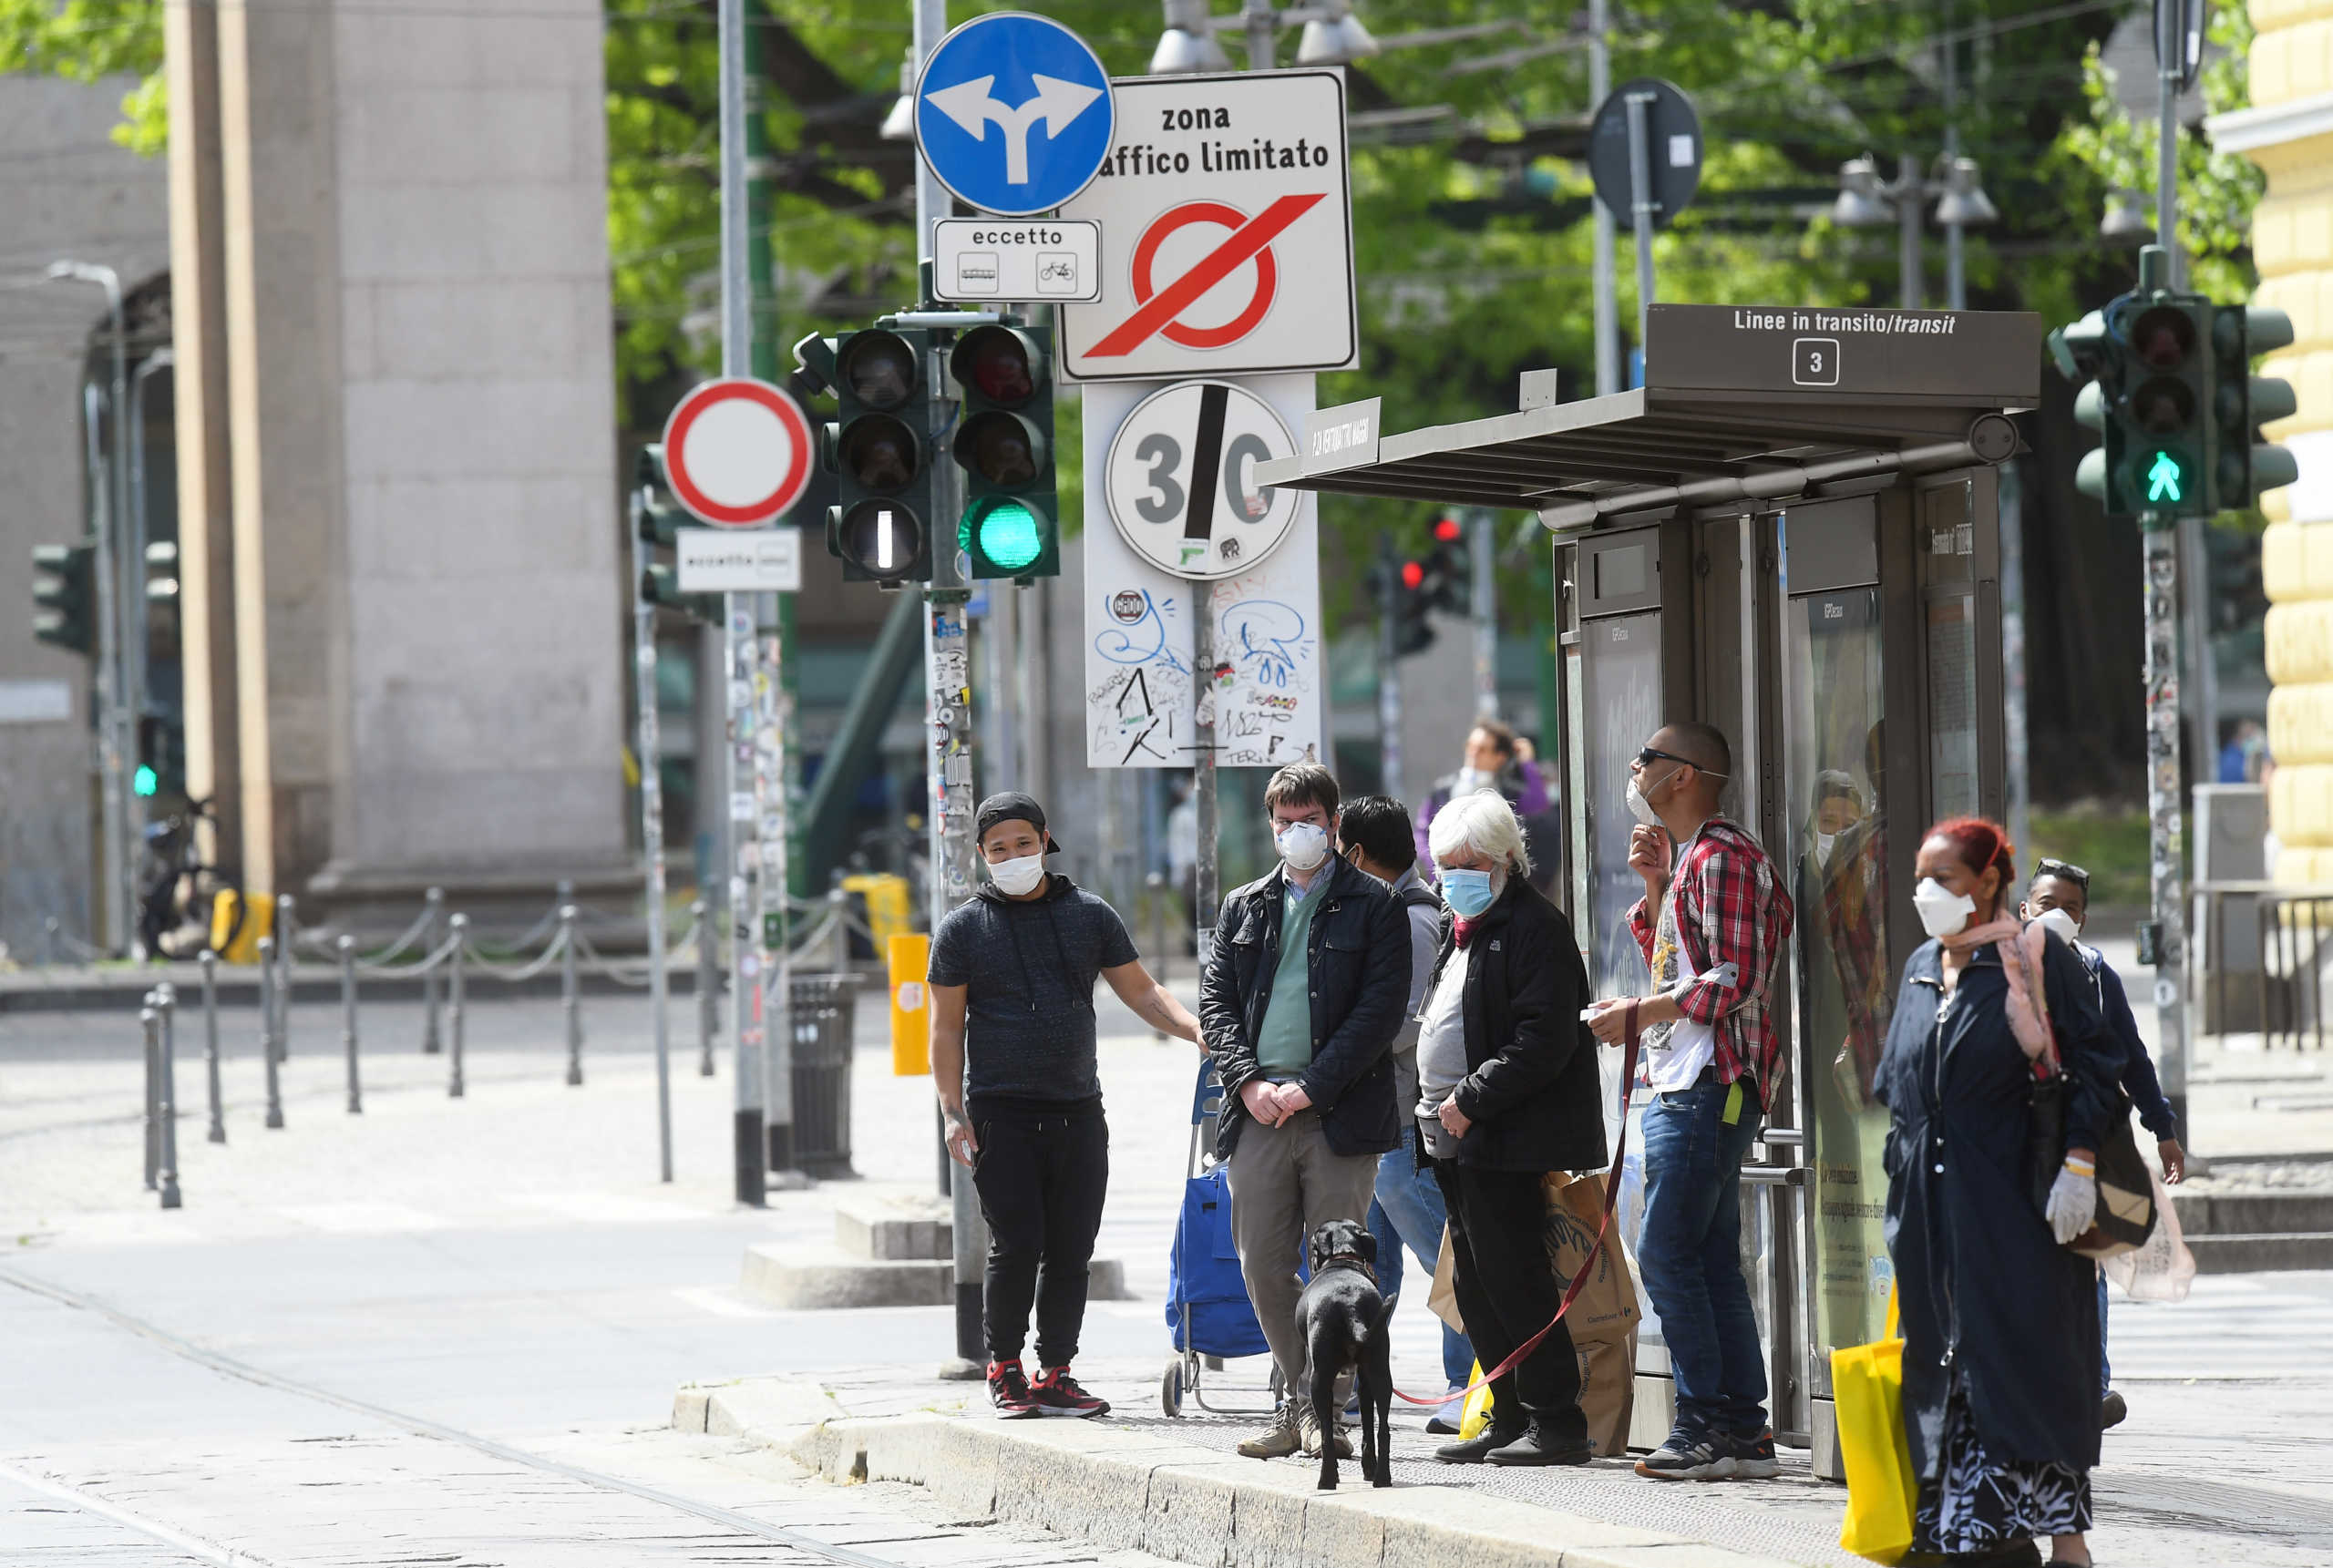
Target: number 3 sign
[1181,479]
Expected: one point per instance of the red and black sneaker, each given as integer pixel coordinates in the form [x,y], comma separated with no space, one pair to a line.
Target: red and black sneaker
[1056,1393]
[1008,1390]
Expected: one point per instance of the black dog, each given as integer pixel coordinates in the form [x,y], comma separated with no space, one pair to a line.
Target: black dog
[1342,1318]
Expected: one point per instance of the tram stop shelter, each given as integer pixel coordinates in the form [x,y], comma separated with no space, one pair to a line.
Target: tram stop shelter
[1791,531]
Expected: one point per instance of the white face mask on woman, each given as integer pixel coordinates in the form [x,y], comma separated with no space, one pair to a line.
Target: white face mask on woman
[1017,878]
[1942,911]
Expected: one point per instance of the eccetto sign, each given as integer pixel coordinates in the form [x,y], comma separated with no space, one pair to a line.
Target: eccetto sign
[1226,210]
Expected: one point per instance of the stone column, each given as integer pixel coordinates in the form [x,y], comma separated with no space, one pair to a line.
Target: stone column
[206,493]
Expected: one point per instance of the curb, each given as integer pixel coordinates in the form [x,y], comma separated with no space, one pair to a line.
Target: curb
[1122,1490]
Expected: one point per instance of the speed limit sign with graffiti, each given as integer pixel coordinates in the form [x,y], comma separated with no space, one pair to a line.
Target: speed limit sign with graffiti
[1181,481]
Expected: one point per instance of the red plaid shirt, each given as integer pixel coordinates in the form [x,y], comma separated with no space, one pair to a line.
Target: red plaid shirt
[1730,907]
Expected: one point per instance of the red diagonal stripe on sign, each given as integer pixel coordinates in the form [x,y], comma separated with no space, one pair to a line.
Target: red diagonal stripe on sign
[1178,296]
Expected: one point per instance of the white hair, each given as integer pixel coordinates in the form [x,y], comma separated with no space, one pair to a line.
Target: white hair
[1482,823]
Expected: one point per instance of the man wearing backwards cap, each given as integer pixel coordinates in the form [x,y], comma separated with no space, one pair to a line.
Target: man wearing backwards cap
[1013,1027]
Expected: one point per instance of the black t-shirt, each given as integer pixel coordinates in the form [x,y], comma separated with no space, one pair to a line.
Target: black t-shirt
[1030,970]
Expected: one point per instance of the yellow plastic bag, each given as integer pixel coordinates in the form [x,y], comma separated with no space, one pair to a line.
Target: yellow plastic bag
[1868,1384]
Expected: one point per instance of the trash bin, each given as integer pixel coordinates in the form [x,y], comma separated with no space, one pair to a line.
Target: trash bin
[821,1013]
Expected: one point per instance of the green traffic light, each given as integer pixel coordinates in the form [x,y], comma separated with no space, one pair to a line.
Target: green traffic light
[146,781]
[1004,532]
[2165,479]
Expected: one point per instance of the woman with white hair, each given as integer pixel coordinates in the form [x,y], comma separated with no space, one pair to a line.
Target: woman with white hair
[1507,1091]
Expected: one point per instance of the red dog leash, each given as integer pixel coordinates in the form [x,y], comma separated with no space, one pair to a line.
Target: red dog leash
[1595,1250]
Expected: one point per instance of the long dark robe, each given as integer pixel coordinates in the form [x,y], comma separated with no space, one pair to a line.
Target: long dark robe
[1991,1304]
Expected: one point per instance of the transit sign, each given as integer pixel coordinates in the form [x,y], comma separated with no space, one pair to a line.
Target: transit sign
[1181,479]
[1025,259]
[1014,113]
[738,452]
[1226,210]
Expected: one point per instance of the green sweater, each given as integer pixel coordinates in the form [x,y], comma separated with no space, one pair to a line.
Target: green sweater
[1284,1045]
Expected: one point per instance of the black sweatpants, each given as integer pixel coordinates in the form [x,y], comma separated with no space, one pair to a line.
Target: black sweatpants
[1041,1175]
[1507,1291]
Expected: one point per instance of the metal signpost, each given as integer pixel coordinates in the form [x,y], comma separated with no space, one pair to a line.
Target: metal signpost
[1245,177]
[737,454]
[1043,93]
[1644,154]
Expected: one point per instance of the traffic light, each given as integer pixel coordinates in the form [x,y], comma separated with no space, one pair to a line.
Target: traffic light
[881,525]
[161,756]
[1398,584]
[64,596]
[660,520]
[1448,582]
[2243,402]
[2174,401]
[2165,407]
[1010,523]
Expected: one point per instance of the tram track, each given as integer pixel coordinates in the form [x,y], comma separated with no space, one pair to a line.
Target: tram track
[418,1426]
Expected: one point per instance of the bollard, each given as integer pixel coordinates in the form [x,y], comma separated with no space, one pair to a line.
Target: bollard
[210,1043]
[435,913]
[150,1019]
[347,947]
[286,923]
[461,934]
[166,1109]
[708,990]
[267,983]
[568,997]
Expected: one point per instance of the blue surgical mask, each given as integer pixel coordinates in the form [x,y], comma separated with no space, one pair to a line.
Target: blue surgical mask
[1467,892]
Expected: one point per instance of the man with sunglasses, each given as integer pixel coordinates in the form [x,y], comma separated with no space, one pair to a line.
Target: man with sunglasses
[2059,897]
[1711,926]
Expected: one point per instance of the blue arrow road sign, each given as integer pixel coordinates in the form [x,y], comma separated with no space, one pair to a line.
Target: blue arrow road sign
[1013,113]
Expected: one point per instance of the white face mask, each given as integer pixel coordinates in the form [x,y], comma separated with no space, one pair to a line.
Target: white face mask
[2059,921]
[1470,780]
[1823,842]
[1302,844]
[1642,808]
[1017,878]
[1941,912]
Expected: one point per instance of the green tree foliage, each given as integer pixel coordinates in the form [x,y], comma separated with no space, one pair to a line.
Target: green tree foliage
[87,41]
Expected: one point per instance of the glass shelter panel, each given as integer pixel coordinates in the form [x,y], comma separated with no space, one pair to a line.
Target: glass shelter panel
[1839,862]
[1623,701]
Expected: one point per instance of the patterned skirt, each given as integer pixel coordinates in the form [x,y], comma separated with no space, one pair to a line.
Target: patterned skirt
[1979,1502]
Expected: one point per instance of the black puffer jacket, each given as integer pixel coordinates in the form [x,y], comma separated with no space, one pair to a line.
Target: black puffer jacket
[1360,957]
[1531,1087]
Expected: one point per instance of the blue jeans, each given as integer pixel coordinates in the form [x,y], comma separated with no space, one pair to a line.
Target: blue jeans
[2105,1370]
[1691,1255]
[1408,1212]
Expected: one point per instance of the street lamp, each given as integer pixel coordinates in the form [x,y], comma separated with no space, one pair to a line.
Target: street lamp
[899,123]
[1867,201]
[1333,35]
[2126,221]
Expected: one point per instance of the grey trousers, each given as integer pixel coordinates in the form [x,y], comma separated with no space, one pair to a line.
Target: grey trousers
[1285,1182]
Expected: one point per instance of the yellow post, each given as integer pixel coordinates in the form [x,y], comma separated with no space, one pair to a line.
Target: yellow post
[909,955]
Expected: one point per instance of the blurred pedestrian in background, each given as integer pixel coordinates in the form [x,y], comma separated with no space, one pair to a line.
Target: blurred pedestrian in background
[1496,758]
[1999,1320]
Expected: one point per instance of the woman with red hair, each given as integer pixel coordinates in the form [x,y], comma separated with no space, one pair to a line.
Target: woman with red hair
[2000,1320]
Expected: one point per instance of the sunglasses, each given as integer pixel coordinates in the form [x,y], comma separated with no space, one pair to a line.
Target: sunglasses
[1646,757]
[2074,874]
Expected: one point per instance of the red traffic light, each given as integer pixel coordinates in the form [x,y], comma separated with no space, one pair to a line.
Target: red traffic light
[1413,573]
[1447,530]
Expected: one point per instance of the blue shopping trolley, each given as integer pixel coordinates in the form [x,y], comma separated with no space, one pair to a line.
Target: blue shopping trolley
[1209,1317]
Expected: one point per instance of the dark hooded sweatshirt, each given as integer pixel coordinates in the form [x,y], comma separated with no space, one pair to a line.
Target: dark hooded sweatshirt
[1030,970]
